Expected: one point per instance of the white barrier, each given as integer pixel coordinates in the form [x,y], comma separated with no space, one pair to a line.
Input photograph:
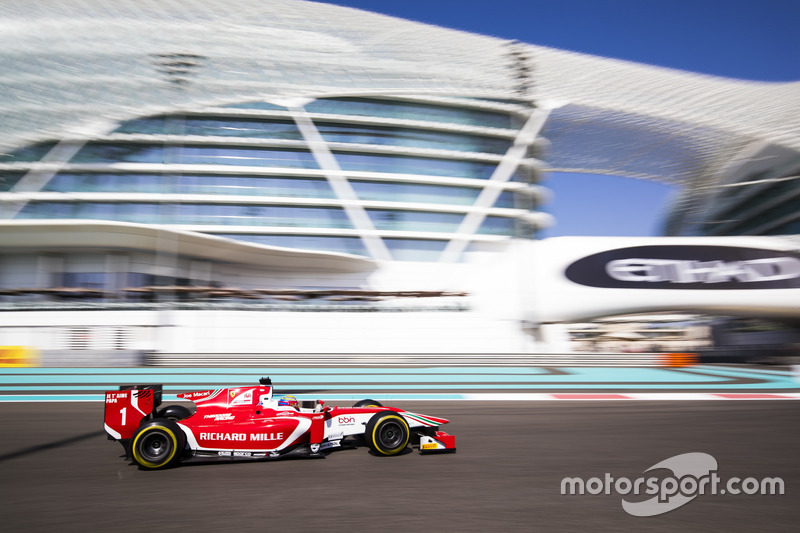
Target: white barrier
[383,359]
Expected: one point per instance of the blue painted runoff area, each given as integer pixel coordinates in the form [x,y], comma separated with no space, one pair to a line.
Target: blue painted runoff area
[88,384]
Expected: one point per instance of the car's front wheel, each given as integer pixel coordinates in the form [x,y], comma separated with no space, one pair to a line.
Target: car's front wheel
[158,444]
[387,433]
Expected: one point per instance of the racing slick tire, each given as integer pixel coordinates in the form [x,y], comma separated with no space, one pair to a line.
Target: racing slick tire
[367,403]
[387,433]
[174,412]
[158,444]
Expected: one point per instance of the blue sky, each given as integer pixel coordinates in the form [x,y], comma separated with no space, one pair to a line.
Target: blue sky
[746,39]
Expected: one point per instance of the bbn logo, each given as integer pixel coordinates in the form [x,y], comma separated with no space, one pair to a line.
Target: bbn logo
[688,267]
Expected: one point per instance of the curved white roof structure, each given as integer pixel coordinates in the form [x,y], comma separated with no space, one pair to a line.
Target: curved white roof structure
[66,235]
[74,66]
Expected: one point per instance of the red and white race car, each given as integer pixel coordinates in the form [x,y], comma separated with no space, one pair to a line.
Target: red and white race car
[248,423]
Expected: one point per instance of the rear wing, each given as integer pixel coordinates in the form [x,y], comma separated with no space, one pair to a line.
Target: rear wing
[125,409]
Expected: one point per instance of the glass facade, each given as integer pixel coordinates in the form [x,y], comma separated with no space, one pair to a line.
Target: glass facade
[412,138]
[770,203]
[414,193]
[757,203]
[9,179]
[788,228]
[414,168]
[191,214]
[339,132]
[410,111]
[395,220]
[498,226]
[348,245]
[30,153]
[415,249]
[214,127]
[194,155]
[414,165]
[191,184]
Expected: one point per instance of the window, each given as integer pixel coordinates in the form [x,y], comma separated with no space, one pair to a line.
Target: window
[414,220]
[410,111]
[348,245]
[87,280]
[411,138]
[413,192]
[415,249]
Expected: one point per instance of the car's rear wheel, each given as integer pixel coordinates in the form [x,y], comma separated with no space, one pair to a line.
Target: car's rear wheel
[387,433]
[158,444]
[367,403]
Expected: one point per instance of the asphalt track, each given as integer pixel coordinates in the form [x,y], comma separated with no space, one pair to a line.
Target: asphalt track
[59,473]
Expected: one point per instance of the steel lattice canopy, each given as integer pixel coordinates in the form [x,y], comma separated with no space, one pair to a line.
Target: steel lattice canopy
[75,67]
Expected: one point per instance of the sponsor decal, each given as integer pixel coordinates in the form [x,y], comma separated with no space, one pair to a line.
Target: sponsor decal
[689,475]
[346,420]
[242,437]
[224,436]
[114,397]
[430,446]
[255,437]
[239,454]
[688,267]
[200,396]
[221,417]
[332,444]
[245,398]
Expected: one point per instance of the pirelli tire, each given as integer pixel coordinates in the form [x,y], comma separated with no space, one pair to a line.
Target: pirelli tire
[158,444]
[387,433]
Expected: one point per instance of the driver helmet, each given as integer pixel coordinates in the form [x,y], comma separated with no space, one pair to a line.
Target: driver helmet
[289,401]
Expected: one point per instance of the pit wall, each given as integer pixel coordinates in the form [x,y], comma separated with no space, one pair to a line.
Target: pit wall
[210,331]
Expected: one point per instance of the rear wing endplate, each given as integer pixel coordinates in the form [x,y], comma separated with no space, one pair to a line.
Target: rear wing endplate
[125,409]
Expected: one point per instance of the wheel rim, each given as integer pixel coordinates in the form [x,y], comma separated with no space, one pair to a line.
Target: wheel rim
[391,435]
[155,446]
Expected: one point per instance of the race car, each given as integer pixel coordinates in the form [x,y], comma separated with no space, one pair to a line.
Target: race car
[248,423]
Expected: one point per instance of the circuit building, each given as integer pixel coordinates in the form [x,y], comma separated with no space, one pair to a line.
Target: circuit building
[283,176]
